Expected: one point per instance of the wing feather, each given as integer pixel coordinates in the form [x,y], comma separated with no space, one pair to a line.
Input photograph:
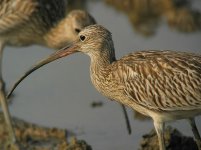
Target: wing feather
[162,80]
[14,13]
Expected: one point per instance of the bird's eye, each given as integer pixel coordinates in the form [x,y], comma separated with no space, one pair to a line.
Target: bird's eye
[77,30]
[82,37]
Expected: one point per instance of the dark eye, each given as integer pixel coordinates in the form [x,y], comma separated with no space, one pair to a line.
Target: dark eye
[77,30]
[82,37]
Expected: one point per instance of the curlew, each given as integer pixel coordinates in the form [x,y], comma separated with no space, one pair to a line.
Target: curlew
[165,85]
[42,22]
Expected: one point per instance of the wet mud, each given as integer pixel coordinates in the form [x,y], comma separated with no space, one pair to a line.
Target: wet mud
[34,137]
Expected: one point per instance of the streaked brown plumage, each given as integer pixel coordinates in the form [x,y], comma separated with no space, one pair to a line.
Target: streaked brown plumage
[164,85]
[43,22]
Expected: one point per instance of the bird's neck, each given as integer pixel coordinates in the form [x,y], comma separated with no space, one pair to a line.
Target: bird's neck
[100,64]
[102,60]
[100,69]
[59,35]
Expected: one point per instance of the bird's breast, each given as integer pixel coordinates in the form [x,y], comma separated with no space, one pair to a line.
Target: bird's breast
[106,86]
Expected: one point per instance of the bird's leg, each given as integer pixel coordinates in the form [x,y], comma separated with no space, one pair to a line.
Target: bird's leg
[127,119]
[195,132]
[7,116]
[159,127]
[2,84]
[3,101]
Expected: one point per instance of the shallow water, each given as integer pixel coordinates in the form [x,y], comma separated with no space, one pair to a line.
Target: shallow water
[60,94]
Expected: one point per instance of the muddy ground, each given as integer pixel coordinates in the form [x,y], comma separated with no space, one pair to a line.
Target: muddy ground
[34,137]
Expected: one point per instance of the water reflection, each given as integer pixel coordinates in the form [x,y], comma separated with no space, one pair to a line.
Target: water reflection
[145,15]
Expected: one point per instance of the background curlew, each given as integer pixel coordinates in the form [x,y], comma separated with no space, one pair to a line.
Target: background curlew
[43,22]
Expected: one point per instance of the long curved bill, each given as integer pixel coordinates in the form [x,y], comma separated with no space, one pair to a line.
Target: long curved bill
[56,55]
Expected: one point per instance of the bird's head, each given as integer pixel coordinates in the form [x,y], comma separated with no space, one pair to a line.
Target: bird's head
[79,19]
[68,28]
[93,40]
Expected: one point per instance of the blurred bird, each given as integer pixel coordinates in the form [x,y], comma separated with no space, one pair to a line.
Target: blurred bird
[42,22]
[164,85]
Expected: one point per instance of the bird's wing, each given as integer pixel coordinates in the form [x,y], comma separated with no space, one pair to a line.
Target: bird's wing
[162,80]
[15,12]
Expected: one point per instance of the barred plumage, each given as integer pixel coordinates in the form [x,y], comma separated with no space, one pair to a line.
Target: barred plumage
[43,22]
[164,85]
[161,80]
